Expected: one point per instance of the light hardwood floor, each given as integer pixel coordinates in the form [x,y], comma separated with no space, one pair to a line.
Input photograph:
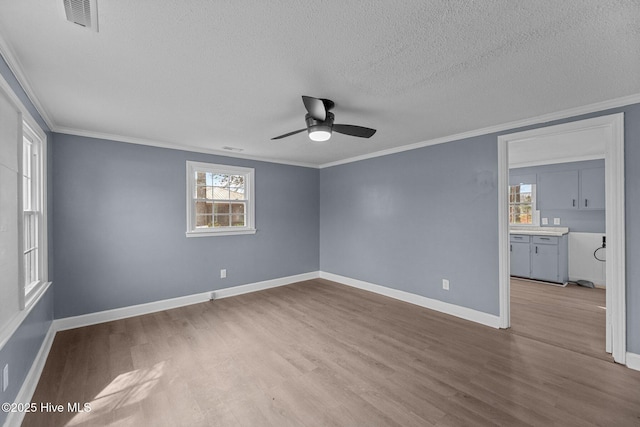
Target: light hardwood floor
[572,317]
[320,353]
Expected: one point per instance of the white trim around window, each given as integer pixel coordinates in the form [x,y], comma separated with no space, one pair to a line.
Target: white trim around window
[33,262]
[234,196]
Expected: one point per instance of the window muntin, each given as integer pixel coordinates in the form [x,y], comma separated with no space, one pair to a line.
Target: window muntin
[220,199]
[522,209]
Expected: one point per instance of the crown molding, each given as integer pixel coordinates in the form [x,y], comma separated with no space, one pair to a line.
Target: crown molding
[14,65]
[181,147]
[558,115]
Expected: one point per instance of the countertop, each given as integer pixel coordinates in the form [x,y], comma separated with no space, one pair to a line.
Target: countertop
[539,231]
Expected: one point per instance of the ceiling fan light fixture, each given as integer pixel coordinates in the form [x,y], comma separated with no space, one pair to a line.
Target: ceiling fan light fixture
[319,134]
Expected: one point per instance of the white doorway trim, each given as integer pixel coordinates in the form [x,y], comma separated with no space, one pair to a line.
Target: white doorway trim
[613,125]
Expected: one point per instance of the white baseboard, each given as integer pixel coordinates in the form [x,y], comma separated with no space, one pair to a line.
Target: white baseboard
[432,304]
[267,284]
[33,376]
[633,361]
[152,307]
[130,311]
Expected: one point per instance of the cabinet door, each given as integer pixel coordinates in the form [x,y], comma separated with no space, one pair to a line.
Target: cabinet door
[544,262]
[558,190]
[520,259]
[592,188]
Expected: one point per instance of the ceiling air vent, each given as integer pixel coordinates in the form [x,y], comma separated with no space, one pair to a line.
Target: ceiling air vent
[82,12]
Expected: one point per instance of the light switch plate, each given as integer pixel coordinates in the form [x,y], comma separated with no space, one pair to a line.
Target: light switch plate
[545,221]
[556,221]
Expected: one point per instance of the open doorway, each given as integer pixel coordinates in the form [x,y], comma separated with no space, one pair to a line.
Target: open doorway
[610,128]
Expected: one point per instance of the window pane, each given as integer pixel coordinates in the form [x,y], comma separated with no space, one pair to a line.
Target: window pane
[237,220]
[221,220]
[27,269]
[201,178]
[201,192]
[220,180]
[221,208]
[204,221]
[221,193]
[521,214]
[236,187]
[27,233]
[208,193]
[33,272]
[204,208]
[236,195]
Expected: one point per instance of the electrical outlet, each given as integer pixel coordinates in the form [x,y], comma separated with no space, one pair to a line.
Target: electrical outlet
[556,221]
[5,377]
[445,284]
[223,273]
[545,221]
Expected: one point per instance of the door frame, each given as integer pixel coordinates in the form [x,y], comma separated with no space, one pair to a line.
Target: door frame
[613,125]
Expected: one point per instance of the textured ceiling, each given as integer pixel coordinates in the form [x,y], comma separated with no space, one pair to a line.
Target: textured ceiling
[207,74]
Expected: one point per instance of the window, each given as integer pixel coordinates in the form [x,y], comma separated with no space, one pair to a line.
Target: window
[33,223]
[522,204]
[220,200]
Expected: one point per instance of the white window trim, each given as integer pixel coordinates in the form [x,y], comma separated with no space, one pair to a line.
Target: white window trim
[535,213]
[249,173]
[27,299]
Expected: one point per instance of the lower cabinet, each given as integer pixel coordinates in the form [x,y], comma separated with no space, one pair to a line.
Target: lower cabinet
[520,256]
[540,257]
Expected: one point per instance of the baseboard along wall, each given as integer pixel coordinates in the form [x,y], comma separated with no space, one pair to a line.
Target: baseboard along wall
[430,303]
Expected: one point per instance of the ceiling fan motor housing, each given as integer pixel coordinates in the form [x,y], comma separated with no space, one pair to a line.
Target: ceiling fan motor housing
[314,125]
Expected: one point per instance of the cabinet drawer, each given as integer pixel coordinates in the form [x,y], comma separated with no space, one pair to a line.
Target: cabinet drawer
[545,240]
[519,238]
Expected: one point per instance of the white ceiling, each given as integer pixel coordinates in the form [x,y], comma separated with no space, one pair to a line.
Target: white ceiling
[204,74]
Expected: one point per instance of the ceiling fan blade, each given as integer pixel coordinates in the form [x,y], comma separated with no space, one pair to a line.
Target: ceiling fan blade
[289,134]
[359,131]
[315,107]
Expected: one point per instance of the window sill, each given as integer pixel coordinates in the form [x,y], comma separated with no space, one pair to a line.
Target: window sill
[35,293]
[225,232]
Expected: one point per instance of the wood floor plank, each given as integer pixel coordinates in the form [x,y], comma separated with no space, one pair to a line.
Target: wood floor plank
[319,353]
[572,317]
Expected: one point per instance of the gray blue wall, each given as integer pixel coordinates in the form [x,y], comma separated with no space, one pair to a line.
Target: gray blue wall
[409,219]
[632,206]
[585,221]
[23,347]
[119,225]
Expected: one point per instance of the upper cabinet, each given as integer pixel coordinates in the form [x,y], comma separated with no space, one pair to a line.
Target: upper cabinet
[558,190]
[592,188]
[576,189]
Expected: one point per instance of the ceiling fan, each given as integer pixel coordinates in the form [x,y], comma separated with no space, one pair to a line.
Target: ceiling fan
[320,122]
